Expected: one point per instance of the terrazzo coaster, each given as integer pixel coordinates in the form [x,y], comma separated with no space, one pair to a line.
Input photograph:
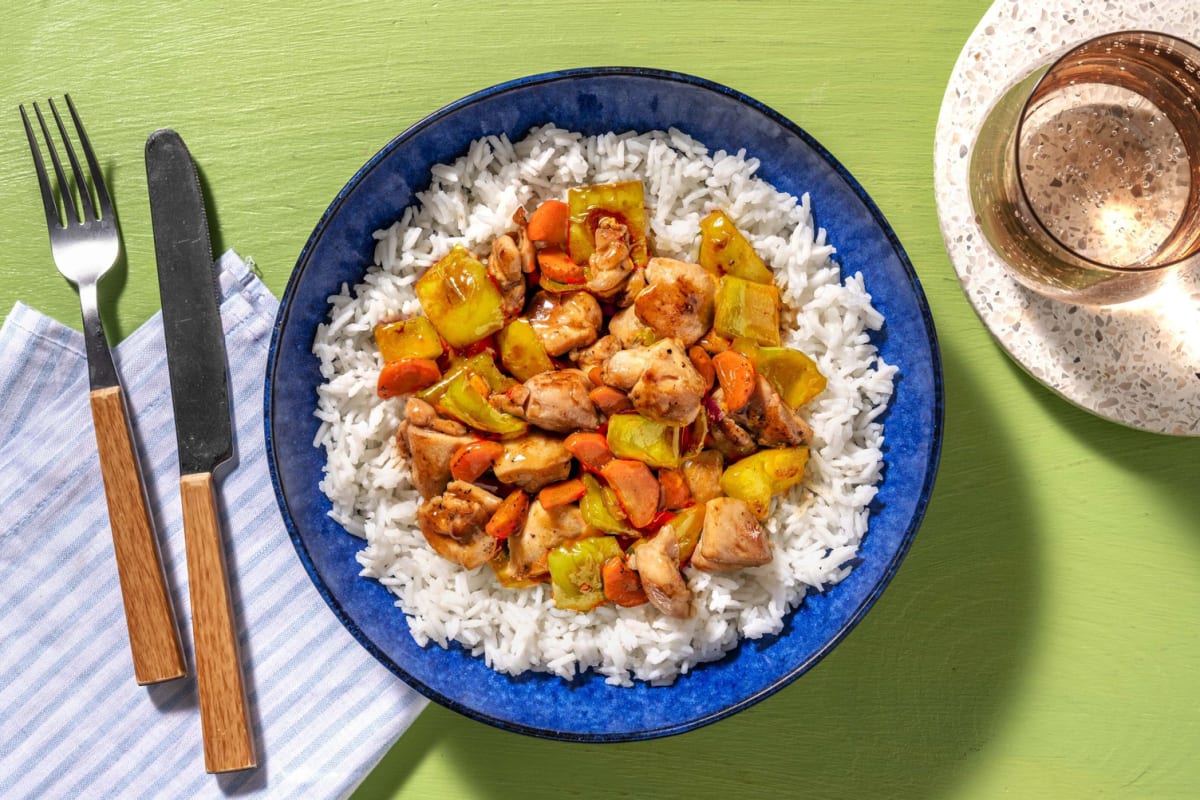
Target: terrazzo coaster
[1137,364]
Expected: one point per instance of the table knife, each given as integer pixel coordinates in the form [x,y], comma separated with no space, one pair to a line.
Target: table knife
[196,364]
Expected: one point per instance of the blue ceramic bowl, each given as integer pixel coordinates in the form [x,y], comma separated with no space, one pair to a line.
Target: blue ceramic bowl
[593,101]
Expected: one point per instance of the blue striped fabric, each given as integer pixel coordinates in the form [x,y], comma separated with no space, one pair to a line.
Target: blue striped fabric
[73,722]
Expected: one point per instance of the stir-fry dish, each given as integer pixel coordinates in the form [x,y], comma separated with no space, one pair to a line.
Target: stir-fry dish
[580,411]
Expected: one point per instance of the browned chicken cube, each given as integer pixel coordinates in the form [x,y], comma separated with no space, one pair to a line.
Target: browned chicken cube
[663,384]
[702,474]
[609,266]
[423,415]
[732,537]
[634,285]
[771,421]
[558,401]
[657,563]
[454,524]
[544,530]
[506,267]
[678,300]
[429,459]
[729,437]
[565,323]
[597,353]
[533,461]
[629,328]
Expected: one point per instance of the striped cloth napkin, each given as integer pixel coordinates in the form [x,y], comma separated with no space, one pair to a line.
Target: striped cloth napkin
[73,722]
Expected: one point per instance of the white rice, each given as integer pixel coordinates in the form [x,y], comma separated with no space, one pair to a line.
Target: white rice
[816,531]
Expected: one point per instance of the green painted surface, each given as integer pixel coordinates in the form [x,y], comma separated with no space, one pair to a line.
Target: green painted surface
[1041,638]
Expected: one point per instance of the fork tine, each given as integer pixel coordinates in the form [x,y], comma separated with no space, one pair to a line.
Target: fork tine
[71,215]
[106,209]
[85,194]
[52,217]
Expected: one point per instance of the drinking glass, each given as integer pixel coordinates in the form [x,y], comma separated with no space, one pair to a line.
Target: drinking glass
[1085,177]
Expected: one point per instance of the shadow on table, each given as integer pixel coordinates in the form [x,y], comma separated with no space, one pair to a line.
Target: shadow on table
[1165,465]
[895,711]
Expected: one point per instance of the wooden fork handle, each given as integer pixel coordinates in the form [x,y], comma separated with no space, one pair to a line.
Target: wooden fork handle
[224,715]
[149,615]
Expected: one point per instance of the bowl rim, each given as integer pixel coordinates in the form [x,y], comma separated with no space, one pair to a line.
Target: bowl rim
[851,621]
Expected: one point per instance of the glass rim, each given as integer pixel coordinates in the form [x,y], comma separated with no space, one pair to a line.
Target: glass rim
[1025,109]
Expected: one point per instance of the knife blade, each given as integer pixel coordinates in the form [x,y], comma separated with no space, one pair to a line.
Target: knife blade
[196,365]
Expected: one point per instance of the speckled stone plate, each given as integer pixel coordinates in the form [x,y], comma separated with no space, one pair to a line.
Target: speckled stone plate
[593,101]
[1137,364]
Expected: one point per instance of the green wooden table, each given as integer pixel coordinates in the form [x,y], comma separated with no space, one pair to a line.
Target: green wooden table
[1041,638]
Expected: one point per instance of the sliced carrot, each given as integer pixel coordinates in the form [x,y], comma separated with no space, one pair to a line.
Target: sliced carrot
[703,364]
[674,489]
[714,343]
[509,517]
[407,375]
[736,375]
[548,223]
[590,448]
[609,400]
[622,584]
[558,266]
[636,489]
[559,494]
[595,376]
[473,459]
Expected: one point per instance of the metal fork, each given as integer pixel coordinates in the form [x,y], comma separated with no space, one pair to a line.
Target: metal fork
[85,244]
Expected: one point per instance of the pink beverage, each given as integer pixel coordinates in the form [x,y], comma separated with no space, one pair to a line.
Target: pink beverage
[1087,178]
[1106,172]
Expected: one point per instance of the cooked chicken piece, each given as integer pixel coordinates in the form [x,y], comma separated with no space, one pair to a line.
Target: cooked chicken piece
[544,530]
[732,537]
[657,563]
[454,524]
[533,461]
[524,243]
[511,401]
[603,349]
[629,329]
[729,437]
[558,401]
[678,300]
[418,412]
[663,384]
[402,438]
[565,323]
[450,427]
[429,453]
[609,265]
[423,415]
[702,474]
[505,267]
[635,284]
[771,421]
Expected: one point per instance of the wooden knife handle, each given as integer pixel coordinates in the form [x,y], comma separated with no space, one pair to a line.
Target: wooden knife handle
[149,615]
[224,714]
